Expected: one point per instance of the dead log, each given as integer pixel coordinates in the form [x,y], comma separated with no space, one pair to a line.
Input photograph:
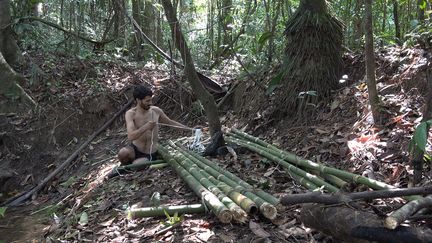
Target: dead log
[71,158]
[346,224]
[403,213]
[318,197]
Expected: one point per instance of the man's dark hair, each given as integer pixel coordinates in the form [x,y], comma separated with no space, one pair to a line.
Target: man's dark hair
[141,91]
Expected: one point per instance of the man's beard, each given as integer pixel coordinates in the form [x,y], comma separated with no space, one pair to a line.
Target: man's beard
[145,107]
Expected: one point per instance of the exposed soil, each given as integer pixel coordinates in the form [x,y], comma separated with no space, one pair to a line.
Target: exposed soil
[339,134]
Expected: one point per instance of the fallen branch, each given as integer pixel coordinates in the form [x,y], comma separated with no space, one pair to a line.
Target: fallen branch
[318,197]
[403,213]
[349,225]
[51,24]
[71,158]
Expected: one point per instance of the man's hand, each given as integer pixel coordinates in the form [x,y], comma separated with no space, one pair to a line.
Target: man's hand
[149,125]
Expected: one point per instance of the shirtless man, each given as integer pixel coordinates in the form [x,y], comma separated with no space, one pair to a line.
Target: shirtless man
[142,128]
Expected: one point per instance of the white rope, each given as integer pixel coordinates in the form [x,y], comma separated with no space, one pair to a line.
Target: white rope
[196,145]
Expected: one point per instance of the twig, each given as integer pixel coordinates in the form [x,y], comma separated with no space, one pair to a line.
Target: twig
[69,159]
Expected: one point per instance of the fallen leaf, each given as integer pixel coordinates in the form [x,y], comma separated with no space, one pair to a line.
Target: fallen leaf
[258,230]
[108,222]
[83,219]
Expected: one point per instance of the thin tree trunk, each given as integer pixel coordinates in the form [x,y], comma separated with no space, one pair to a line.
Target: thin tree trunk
[202,94]
[384,20]
[396,21]
[370,63]
[8,46]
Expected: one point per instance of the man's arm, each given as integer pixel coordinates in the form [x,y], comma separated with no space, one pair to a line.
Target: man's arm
[163,118]
[132,131]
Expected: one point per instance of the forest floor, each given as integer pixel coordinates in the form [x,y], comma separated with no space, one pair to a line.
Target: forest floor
[83,205]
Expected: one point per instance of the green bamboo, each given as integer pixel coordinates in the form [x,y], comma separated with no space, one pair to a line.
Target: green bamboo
[292,158]
[244,202]
[268,210]
[314,166]
[302,180]
[215,205]
[331,178]
[259,149]
[135,213]
[264,195]
[238,213]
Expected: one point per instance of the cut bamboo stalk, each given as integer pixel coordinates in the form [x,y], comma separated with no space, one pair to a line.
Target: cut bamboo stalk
[314,166]
[244,202]
[266,209]
[264,195]
[238,213]
[260,150]
[215,205]
[135,213]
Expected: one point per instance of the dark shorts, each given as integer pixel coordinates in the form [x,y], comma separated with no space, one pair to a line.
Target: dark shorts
[139,154]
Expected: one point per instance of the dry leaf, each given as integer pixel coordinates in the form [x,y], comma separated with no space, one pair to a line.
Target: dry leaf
[258,230]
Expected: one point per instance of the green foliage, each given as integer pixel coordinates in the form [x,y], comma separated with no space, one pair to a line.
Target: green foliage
[2,211]
[419,140]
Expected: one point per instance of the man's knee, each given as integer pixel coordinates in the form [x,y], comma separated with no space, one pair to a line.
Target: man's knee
[125,155]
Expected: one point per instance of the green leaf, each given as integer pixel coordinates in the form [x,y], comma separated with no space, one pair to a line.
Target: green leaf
[423,5]
[420,136]
[2,211]
[83,219]
[263,38]
[274,83]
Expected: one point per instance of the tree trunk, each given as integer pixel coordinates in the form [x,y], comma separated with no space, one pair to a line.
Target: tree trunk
[8,46]
[137,41]
[384,20]
[10,89]
[358,29]
[349,225]
[370,63]
[202,94]
[313,59]
[396,21]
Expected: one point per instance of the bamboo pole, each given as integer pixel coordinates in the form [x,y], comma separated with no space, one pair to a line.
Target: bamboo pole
[208,164]
[135,213]
[268,210]
[259,149]
[244,202]
[314,166]
[238,213]
[216,206]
